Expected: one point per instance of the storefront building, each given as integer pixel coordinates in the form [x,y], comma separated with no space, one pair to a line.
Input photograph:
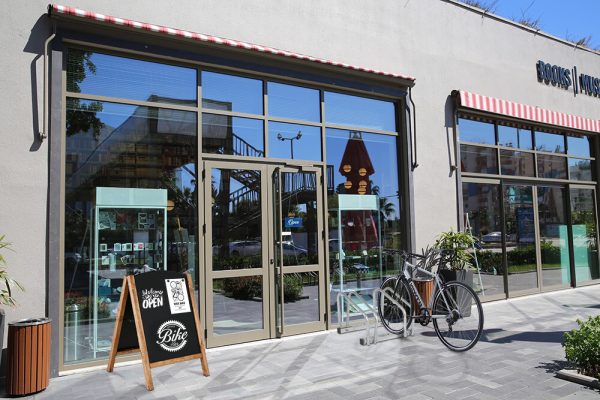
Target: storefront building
[277,179]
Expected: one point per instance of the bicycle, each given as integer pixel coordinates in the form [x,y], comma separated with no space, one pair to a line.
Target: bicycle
[456,311]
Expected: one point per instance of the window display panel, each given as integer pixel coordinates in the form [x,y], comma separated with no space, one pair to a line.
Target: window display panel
[293,102]
[142,151]
[553,167]
[512,136]
[579,145]
[581,170]
[482,160]
[481,204]
[297,142]
[549,142]
[223,134]
[476,131]
[585,244]
[232,93]
[517,163]
[107,75]
[554,239]
[365,170]
[347,110]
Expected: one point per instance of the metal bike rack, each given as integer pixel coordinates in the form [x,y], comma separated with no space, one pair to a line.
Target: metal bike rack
[371,319]
[385,295]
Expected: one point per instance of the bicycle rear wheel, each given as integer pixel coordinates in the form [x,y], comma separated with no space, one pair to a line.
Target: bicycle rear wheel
[461,327]
[390,314]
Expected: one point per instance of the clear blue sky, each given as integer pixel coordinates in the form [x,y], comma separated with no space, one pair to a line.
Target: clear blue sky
[572,19]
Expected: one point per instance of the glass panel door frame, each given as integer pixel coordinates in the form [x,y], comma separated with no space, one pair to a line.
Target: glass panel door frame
[516,293]
[574,281]
[278,327]
[568,222]
[212,339]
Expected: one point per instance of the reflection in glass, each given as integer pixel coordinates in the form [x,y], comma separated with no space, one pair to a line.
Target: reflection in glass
[550,142]
[483,160]
[300,297]
[299,230]
[222,134]
[554,242]
[517,163]
[293,102]
[122,146]
[481,205]
[105,75]
[580,170]
[476,131]
[362,164]
[520,238]
[579,145]
[237,304]
[236,219]
[232,93]
[511,136]
[343,109]
[585,246]
[298,142]
[553,167]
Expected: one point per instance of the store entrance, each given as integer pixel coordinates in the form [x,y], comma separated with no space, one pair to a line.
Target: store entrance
[264,251]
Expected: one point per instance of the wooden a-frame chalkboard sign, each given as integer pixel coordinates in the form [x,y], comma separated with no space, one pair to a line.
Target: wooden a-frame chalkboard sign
[157,317]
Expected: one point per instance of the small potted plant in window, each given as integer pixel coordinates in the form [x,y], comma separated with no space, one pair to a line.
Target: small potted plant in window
[459,262]
[7,284]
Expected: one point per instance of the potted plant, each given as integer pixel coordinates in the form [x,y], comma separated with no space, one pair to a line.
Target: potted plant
[6,298]
[459,260]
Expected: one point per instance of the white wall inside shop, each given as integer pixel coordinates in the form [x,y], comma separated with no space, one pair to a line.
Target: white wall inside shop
[444,46]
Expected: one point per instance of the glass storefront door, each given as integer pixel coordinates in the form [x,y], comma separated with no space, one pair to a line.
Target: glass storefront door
[298,249]
[264,252]
[520,235]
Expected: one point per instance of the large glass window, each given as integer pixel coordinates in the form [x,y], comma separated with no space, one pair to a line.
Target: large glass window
[513,136]
[585,244]
[517,163]
[142,155]
[106,75]
[579,145]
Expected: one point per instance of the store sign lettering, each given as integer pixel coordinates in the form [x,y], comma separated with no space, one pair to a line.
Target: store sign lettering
[565,78]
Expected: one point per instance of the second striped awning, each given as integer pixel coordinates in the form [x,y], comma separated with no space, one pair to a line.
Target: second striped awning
[527,112]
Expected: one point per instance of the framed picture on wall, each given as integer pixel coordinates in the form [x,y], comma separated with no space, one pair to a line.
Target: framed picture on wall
[117,247]
[126,246]
[103,247]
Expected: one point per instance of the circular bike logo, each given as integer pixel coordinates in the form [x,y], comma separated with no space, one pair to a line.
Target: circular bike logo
[172,336]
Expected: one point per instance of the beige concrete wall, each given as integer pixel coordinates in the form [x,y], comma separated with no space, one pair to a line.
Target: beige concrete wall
[444,46]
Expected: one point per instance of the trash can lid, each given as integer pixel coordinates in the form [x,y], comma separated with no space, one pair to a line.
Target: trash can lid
[30,321]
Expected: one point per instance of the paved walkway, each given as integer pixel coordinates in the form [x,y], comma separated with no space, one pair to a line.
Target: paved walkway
[516,359]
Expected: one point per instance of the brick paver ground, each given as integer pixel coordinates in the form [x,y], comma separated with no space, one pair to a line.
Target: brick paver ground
[516,359]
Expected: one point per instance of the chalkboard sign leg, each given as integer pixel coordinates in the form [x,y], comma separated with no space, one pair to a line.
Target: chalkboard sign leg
[203,360]
[139,327]
[118,324]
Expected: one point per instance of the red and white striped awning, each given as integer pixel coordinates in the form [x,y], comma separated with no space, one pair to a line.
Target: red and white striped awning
[527,112]
[127,23]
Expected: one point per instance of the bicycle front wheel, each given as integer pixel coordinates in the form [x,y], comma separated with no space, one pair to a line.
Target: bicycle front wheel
[457,316]
[390,314]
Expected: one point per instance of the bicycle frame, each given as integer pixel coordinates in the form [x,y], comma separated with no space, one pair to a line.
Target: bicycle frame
[407,278]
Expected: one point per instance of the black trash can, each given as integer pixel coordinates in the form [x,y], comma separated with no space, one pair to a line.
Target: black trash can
[28,356]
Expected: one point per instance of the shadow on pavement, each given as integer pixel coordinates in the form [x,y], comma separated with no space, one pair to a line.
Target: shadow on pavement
[502,336]
[554,366]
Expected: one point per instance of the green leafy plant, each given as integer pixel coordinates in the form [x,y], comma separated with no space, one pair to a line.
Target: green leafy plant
[292,288]
[582,346]
[6,297]
[459,243]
